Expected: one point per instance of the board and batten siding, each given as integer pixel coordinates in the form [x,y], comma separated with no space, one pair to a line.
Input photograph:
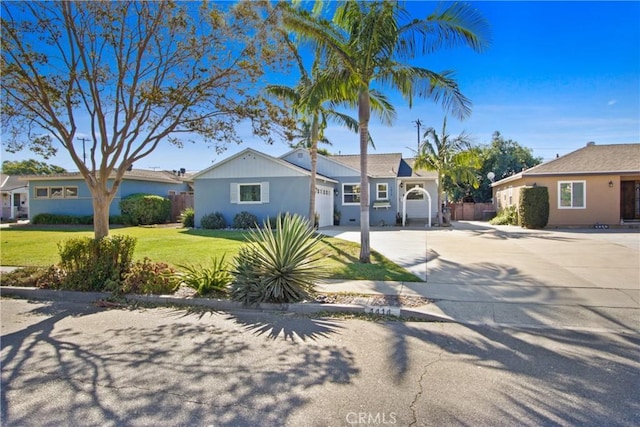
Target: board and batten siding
[325,166]
[250,165]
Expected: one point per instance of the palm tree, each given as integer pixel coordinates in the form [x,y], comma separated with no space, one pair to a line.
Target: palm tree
[451,157]
[315,110]
[372,42]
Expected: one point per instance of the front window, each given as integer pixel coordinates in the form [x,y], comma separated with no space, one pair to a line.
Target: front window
[350,194]
[416,195]
[249,193]
[70,192]
[56,192]
[42,192]
[382,191]
[572,195]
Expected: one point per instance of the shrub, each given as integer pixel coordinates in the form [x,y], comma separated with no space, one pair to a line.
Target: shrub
[507,216]
[56,219]
[94,265]
[145,209]
[213,221]
[278,265]
[207,280]
[148,277]
[534,207]
[188,218]
[245,220]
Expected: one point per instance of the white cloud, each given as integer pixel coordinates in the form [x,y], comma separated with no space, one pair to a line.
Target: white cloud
[612,102]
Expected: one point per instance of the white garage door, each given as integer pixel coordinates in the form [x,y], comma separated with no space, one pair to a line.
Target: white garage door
[324,205]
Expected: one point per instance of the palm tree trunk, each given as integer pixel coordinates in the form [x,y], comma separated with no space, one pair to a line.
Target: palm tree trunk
[313,153]
[364,111]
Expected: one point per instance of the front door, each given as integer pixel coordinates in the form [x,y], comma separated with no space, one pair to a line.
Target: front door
[630,200]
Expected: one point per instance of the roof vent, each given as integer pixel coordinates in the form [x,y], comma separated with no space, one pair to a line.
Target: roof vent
[591,144]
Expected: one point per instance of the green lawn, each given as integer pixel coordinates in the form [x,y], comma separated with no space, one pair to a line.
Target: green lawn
[37,246]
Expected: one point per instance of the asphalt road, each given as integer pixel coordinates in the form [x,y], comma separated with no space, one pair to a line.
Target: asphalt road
[72,364]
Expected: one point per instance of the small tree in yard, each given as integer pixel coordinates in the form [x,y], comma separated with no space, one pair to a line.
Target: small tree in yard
[131,75]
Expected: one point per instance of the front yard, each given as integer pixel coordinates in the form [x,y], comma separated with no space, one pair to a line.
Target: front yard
[38,246]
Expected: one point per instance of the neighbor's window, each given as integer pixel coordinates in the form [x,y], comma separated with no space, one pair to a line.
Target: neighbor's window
[56,192]
[70,192]
[350,194]
[249,193]
[416,195]
[42,192]
[572,194]
[382,191]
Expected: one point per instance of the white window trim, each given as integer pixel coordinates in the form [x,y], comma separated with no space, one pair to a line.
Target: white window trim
[386,190]
[35,193]
[344,193]
[584,195]
[240,202]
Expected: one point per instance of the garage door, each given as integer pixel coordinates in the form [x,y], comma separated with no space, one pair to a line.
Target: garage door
[324,205]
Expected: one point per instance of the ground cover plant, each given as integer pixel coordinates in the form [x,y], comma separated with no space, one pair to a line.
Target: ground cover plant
[37,246]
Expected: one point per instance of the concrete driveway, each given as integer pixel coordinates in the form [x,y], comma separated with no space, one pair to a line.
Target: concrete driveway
[509,275]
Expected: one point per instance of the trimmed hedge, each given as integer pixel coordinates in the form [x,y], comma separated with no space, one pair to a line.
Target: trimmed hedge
[534,207]
[55,219]
[145,209]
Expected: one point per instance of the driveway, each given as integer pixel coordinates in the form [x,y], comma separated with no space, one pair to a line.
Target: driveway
[539,276]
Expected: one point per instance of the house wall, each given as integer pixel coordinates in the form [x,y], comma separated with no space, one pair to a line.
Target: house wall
[286,194]
[602,203]
[325,166]
[82,205]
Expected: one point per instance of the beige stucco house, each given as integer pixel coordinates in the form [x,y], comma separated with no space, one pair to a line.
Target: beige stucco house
[597,184]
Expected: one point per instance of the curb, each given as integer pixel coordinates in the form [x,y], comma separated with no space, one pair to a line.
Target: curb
[215,304]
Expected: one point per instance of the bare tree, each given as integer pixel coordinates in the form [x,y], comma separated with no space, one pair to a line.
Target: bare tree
[134,75]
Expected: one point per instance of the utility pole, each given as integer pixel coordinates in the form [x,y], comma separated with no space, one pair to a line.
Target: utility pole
[418,124]
[84,153]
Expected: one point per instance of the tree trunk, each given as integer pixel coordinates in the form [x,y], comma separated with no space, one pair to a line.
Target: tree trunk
[313,153]
[101,203]
[439,200]
[363,117]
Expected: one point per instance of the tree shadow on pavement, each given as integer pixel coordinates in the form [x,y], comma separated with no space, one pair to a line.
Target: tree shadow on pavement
[159,370]
[543,377]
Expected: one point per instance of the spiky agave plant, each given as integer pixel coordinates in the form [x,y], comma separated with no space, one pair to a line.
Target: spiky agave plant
[278,265]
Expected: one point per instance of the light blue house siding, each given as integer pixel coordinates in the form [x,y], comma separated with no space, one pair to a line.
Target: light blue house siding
[285,195]
[382,211]
[76,199]
[262,185]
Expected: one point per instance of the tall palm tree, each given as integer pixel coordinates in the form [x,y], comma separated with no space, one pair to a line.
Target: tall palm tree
[315,111]
[451,157]
[372,42]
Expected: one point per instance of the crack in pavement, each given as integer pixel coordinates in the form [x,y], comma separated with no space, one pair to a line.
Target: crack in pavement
[421,390]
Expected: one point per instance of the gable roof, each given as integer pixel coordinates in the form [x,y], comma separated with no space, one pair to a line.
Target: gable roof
[251,151]
[378,165]
[590,160]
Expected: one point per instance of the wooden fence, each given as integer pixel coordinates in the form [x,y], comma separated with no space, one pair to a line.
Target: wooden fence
[472,211]
[179,202]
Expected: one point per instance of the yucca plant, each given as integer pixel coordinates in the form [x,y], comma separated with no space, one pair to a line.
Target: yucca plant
[206,280]
[278,265]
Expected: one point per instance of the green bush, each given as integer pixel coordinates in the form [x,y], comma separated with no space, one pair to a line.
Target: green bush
[88,264]
[207,280]
[507,216]
[534,207]
[213,221]
[245,220]
[148,277]
[56,219]
[187,217]
[145,209]
[278,266]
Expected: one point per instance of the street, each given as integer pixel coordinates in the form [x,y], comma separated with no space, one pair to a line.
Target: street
[75,364]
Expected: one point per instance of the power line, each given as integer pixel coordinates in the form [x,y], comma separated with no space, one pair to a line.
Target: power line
[418,124]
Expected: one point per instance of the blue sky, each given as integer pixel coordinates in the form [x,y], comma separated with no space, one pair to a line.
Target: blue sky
[556,75]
